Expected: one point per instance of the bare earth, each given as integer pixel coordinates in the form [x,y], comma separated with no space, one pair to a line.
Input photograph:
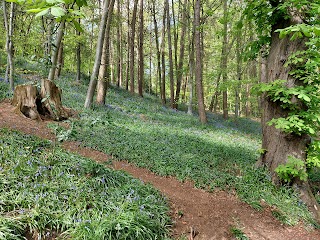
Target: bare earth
[210,215]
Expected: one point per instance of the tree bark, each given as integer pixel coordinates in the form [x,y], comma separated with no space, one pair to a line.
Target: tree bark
[119,46]
[156,32]
[225,59]
[9,26]
[78,54]
[55,51]
[170,54]
[163,75]
[279,145]
[95,71]
[198,73]
[141,56]
[128,47]
[59,61]
[191,71]
[132,38]
[181,55]
[104,71]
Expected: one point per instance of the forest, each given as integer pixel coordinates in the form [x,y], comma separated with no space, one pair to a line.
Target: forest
[145,119]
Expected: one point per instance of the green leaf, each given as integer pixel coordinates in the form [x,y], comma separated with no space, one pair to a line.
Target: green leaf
[77,25]
[58,11]
[36,10]
[42,13]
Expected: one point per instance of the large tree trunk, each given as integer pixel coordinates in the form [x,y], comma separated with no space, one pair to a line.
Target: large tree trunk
[43,104]
[197,41]
[97,61]
[279,145]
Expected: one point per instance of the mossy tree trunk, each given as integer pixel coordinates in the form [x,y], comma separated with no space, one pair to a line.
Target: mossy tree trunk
[279,145]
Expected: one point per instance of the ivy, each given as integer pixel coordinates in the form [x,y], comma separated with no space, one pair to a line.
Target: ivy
[294,168]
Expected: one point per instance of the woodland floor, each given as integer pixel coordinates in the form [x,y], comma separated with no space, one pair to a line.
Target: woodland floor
[210,215]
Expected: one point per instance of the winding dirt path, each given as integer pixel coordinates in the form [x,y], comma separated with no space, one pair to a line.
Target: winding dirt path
[210,215]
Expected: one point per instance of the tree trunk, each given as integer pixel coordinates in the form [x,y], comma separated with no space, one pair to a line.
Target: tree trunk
[55,51]
[181,55]
[128,46]
[132,38]
[157,44]
[239,74]
[279,145]
[59,61]
[141,57]
[163,80]
[191,71]
[97,61]
[197,41]
[9,24]
[170,54]
[104,71]
[78,55]
[225,58]
[119,47]
[36,105]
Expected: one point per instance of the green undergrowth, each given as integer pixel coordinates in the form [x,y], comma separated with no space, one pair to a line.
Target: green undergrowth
[46,190]
[219,155]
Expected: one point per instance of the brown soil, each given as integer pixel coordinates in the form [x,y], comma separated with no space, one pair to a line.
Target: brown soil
[209,215]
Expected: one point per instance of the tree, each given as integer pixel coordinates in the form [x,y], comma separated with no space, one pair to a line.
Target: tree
[198,65]
[131,45]
[104,71]
[97,61]
[167,12]
[141,54]
[290,100]
[9,26]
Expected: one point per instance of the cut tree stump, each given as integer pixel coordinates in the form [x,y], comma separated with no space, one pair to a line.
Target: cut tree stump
[43,104]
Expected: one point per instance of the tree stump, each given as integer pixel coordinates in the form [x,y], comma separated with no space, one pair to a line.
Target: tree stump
[43,104]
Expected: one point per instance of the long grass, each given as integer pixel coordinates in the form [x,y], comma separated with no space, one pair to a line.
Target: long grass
[47,191]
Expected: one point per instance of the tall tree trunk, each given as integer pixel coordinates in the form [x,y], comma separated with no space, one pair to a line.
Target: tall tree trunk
[9,25]
[239,74]
[59,61]
[181,55]
[197,41]
[170,54]
[132,38]
[191,71]
[163,75]
[225,58]
[128,46]
[141,57]
[104,71]
[156,32]
[279,145]
[175,36]
[119,46]
[78,54]
[97,61]
[55,50]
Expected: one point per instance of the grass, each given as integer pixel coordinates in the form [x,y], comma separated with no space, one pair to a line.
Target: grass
[220,154]
[48,191]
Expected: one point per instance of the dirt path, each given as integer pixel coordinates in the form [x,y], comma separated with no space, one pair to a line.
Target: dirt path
[211,215]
